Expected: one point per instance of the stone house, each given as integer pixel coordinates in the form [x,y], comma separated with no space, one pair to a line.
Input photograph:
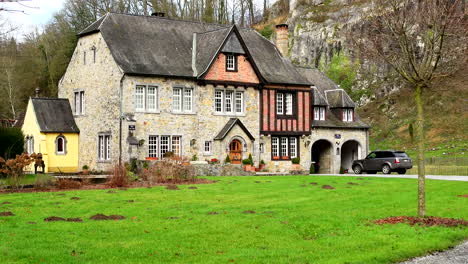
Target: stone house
[141,86]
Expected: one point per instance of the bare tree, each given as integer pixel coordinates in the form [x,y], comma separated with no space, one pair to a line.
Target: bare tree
[421,40]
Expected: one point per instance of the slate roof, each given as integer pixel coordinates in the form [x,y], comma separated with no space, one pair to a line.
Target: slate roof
[54,115]
[229,125]
[150,45]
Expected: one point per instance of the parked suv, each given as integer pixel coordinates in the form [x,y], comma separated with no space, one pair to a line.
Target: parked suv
[384,161]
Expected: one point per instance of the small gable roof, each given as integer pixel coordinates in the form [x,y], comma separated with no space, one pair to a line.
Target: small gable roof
[149,45]
[339,98]
[229,125]
[54,115]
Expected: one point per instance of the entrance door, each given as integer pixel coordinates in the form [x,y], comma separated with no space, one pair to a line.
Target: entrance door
[235,151]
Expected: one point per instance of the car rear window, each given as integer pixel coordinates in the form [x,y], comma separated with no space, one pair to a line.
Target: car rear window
[401,155]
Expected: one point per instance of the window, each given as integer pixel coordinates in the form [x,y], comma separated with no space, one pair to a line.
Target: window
[284,148]
[94,54]
[160,145]
[261,148]
[104,147]
[348,115]
[284,103]
[60,145]
[84,57]
[146,98]
[30,145]
[231,62]
[319,113]
[207,147]
[182,99]
[229,102]
[79,103]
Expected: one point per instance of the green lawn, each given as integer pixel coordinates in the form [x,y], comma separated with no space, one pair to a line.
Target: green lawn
[295,222]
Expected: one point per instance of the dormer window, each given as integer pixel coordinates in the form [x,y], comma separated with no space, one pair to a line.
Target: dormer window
[231,62]
[348,115]
[319,113]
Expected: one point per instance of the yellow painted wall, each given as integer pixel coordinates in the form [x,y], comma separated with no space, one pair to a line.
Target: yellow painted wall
[45,143]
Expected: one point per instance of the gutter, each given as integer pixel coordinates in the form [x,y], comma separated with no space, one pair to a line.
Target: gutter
[194,55]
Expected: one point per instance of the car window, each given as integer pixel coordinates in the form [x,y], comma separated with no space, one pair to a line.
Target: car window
[381,155]
[400,155]
[372,155]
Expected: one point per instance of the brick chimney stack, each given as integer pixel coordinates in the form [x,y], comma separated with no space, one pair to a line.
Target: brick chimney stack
[282,40]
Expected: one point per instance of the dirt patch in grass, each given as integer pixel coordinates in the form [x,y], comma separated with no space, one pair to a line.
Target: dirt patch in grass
[6,213]
[425,221]
[173,218]
[111,191]
[192,188]
[249,212]
[75,198]
[107,217]
[213,213]
[313,183]
[463,195]
[353,183]
[57,218]
[172,187]
[328,187]
[360,178]
[258,182]
[6,203]
[130,201]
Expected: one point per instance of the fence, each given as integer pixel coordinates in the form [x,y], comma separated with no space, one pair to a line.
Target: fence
[443,166]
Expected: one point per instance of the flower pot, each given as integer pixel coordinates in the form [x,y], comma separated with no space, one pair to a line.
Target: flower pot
[151,158]
[85,172]
[261,166]
[248,168]
[275,157]
[285,157]
[296,167]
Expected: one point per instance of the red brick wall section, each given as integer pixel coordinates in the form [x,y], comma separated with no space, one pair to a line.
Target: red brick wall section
[265,109]
[272,110]
[307,110]
[300,112]
[245,72]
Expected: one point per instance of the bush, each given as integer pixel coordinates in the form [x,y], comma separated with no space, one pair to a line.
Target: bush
[169,171]
[227,160]
[85,167]
[312,169]
[14,168]
[262,162]
[341,170]
[11,142]
[119,177]
[296,160]
[64,184]
[246,162]
[194,157]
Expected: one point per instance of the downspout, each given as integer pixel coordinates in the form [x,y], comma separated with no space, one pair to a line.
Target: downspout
[121,118]
[194,55]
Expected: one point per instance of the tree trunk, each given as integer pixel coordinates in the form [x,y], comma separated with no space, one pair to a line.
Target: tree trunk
[420,137]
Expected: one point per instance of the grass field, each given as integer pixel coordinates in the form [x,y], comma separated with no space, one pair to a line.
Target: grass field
[294,222]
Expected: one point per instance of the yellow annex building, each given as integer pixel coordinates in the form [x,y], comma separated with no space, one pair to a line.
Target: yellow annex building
[50,129]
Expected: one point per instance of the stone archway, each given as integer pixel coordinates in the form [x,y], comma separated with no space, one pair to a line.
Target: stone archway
[321,152]
[350,151]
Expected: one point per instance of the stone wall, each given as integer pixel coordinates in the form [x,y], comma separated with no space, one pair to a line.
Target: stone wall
[99,78]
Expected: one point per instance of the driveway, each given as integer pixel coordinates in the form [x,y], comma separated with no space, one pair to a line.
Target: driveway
[457,255]
[432,177]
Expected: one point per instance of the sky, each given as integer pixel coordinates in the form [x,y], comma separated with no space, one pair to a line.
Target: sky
[36,14]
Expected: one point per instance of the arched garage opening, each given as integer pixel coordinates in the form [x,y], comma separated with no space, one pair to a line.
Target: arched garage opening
[322,156]
[349,152]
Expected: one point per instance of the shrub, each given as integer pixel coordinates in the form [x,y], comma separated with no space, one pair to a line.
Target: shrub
[119,177]
[227,160]
[267,31]
[85,167]
[14,168]
[312,169]
[194,157]
[169,171]
[11,142]
[67,184]
[341,170]
[262,162]
[296,160]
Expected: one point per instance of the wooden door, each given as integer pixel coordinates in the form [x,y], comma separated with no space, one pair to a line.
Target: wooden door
[235,152]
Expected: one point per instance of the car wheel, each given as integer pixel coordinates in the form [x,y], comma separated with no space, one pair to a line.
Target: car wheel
[402,171]
[386,169]
[357,169]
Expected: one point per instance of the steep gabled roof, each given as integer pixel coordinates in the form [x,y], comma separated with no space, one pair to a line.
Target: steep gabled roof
[149,45]
[339,98]
[229,125]
[54,115]
[318,98]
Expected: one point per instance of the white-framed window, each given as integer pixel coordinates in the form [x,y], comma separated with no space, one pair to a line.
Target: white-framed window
[348,115]
[79,102]
[284,148]
[146,98]
[158,145]
[208,147]
[284,103]
[30,145]
[60,145]
[319,113]
[104,147]
[182,99]
[229,102]
[231,62]
[153,146]
[275,147]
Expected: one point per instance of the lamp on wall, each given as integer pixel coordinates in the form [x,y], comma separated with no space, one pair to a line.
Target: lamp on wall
[193,142]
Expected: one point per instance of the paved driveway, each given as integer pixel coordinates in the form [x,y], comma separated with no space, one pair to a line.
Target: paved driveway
[432,177]
[457,255]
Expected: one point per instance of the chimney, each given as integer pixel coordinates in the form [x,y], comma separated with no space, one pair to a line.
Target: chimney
[38,91]
[158,14]
[282,39]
